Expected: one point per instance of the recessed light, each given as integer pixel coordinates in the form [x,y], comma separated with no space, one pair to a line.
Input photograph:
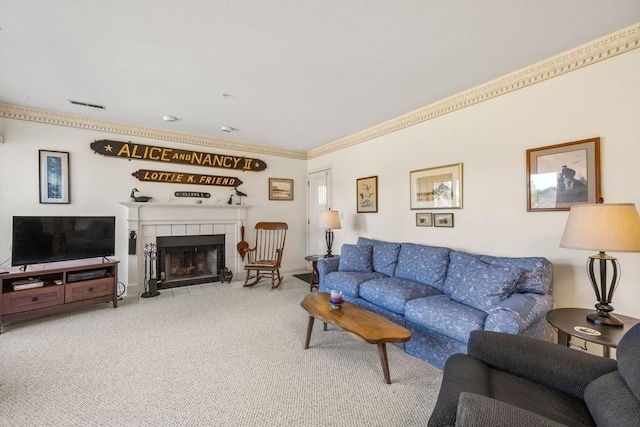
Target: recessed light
[168,118]
[226,128]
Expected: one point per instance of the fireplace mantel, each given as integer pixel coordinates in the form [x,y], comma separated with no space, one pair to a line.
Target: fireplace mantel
[150,220]
[181,205]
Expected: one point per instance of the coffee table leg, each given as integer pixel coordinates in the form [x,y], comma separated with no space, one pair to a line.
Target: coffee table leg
[382,351]
[309,329]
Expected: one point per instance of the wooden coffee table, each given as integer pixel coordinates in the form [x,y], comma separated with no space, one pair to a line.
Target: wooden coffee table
[356,322]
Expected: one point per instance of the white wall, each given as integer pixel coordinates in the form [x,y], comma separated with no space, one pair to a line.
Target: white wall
[98,183]
[490,139]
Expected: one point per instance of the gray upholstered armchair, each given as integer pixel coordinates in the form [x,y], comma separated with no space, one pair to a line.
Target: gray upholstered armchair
[512,380]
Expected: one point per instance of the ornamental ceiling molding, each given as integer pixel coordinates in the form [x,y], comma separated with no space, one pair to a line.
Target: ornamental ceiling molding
[622,41]
[60,119]
[614,44]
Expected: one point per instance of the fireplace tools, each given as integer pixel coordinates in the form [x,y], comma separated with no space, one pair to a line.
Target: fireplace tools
[151,282]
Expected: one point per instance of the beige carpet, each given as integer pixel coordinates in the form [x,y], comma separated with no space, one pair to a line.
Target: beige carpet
[210,355]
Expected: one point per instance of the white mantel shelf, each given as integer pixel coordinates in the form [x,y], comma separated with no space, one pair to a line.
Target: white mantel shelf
[182,205]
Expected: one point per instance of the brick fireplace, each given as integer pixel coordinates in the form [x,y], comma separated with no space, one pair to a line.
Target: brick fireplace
[152,222]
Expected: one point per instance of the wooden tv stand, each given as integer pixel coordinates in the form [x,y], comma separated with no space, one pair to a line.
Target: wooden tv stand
[75,289]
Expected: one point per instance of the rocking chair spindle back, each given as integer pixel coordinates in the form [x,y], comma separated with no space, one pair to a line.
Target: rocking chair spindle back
[265,258]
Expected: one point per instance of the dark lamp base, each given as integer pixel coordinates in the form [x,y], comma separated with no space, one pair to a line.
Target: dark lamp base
[329,256]
[604,319]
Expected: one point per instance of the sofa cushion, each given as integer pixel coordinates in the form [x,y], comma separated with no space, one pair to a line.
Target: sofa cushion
[385,255]
[347,282]
[484,286]
[537,272]
[442,314]
[364,241]
[423,264]
[458,262]
[356,258]
[392,293]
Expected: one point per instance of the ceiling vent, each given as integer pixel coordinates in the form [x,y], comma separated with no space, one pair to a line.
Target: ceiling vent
[86,104]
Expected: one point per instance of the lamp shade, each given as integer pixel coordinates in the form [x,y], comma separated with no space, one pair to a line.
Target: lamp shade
[329,220]
[603,227]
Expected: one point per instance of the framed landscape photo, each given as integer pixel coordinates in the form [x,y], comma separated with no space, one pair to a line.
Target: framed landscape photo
[436,188]
[280,189]
[367,194]
[562,175]
[424,219]
[443,220]
[54,177]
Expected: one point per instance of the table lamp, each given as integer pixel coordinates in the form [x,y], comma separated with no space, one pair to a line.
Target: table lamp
[329,220]
[603,227]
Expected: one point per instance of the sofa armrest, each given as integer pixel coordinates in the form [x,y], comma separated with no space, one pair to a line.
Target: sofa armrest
[326,266]
[475,410]
[518,312]
[552,365]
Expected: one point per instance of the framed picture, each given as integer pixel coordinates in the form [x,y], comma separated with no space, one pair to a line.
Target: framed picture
[436,188]
[443,220]
[367,194]
[562,175]
[280,189]
[54,177]
[424,219]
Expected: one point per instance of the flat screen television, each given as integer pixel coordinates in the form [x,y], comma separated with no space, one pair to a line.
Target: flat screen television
[44,239]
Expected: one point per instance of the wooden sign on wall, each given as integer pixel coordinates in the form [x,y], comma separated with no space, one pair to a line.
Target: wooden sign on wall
[130,151]
[185,178]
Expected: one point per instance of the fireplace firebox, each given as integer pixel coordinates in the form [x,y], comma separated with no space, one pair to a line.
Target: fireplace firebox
[189,260]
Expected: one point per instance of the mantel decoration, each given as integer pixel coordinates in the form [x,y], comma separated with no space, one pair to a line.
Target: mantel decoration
[185,178]
[436,188]
[135,198]
[130,151]
[367,194]
[54,177]
[198,194]
[280,189]
[562,175]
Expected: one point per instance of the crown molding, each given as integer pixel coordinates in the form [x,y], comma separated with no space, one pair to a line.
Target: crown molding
[614,44]
[617,43]
[60,119]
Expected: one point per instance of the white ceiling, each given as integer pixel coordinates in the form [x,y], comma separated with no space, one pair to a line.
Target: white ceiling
[299,74]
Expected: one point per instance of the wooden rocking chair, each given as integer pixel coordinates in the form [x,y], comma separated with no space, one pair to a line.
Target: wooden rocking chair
[266,256]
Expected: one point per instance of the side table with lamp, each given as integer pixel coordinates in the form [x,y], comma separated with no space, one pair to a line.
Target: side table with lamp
[603,228]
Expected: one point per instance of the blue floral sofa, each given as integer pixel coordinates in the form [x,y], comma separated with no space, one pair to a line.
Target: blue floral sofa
[442,295]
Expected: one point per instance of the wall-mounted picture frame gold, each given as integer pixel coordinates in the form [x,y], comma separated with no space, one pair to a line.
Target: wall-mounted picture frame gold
[436,188]
[562,175]
[443,220]
[424,219]
[367,194]
[280,189]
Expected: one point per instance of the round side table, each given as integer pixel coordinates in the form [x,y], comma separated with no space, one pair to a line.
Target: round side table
[573,322]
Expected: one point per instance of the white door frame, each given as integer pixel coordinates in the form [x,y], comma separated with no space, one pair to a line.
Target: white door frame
[319,196]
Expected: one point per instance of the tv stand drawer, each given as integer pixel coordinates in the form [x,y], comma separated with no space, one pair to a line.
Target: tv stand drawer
[32,299]
[88,289]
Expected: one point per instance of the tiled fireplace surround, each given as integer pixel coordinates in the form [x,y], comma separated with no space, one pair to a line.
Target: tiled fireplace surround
[150,220]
